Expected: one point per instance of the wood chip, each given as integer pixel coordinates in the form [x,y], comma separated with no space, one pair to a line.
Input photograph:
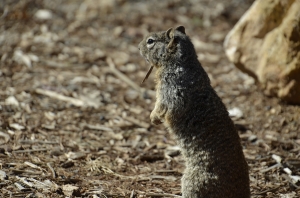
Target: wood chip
[5,136]
[70,190]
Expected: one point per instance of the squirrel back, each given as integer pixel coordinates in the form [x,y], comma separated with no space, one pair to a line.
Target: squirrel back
[215,164]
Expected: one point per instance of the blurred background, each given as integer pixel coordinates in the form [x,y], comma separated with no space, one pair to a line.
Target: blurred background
[74,116]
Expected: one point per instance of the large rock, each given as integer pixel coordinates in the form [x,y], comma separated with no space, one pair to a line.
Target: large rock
[265,43]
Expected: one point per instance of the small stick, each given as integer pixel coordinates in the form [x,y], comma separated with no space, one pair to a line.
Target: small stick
[137,122]
[27,171]
[148,74]
[167,178]
[166,171]
[57,96]
[29,151]
[96,127]
[52,170]
[36,142]
[122,76]
[290,181]
[23,180]
[161,195]
[132,194]
[271,167]
[42,184]
[34,166]
[266,191]
[20,187]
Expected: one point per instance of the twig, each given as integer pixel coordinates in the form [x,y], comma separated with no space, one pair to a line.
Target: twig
[137,122]
[43,132]
[271,167]
[52,170]
[161,195]
[290,181]
[40,184]
[29,151]
[148,74]
[20,187]
[121,75]
[34,166]
[96,127]
[167,178]
[148,148]
[52,94]
[26,171]
[132,194]
[266,191]
[36,141]
[166,171]
[23,180]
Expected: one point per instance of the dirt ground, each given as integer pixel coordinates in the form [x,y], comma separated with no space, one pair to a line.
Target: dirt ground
[74,118]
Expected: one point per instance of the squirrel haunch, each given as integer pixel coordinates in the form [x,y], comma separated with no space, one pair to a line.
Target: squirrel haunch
[193,112]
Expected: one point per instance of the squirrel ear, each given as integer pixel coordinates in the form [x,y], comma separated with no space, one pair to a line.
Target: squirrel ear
[169,33]
[181,29]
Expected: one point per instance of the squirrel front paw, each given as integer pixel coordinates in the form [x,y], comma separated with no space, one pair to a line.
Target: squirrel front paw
[155,119]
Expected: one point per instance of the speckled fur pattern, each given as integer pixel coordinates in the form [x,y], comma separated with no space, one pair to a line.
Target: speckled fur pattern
[193,112]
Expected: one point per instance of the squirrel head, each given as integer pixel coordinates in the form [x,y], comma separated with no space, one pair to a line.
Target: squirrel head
[160,48]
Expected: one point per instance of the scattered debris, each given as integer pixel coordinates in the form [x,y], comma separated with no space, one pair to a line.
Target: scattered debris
[74,118]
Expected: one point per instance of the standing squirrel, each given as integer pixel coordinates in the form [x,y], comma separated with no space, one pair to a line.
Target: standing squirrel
[186,102]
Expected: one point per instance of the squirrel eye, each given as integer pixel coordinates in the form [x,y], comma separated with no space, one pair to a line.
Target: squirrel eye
[150,41]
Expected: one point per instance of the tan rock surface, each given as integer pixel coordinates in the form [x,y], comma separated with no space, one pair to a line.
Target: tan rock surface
[265,43]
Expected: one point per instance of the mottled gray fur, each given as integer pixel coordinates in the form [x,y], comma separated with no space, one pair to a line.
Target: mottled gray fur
[215,164]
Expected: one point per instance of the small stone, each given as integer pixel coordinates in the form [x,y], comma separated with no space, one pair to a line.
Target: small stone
[273,111]
[3,175]
[131,95]
[43,14]
[252,138]
[11,100]
[235,112]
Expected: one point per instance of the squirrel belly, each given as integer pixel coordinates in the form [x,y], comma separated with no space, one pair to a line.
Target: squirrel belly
[195,114]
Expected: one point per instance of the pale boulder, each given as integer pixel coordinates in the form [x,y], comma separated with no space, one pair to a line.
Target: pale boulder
[265,44]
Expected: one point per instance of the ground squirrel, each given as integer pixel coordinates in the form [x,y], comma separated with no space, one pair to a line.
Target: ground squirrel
[186,102]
